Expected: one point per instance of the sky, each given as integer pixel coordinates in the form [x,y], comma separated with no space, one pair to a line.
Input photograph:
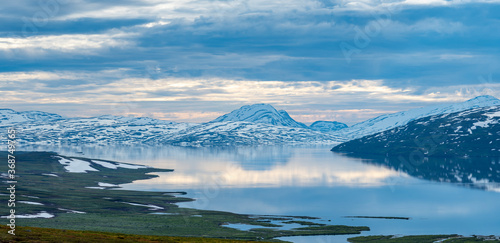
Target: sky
[194,60]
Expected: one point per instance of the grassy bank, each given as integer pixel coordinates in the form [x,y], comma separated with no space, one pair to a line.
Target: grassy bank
[35,234]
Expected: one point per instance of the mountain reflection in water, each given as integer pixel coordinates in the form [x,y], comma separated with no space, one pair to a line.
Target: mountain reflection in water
[474,172]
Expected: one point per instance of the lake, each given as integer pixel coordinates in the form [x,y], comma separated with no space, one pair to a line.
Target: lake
[312,181]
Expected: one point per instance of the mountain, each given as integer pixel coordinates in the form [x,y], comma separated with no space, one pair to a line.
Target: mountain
[327,126]
[8,116]
[247,133]
[38,128]
[103,130]
[135,121]
[469,133]
[260,113]
[386,122]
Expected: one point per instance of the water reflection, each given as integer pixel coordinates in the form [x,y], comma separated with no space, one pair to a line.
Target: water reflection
[242,167]
[250,158]
[280,166]
[475,172]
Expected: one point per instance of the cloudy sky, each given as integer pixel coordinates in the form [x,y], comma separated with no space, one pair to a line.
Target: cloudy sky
[193,60]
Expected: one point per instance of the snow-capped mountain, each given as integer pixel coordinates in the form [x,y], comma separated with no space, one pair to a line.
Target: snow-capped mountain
[107,130]
[260,113]
[473,132]
[327,126]
[8,116]
[249,125]
[133,120]
[103,130]
[386,122]
[247,133]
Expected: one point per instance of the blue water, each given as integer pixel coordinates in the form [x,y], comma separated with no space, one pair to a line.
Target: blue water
[311,181]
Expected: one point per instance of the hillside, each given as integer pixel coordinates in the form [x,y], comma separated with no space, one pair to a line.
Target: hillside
[474,132]
[389,121]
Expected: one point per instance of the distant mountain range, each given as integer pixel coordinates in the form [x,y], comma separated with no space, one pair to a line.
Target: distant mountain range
[259,124]
[249,125]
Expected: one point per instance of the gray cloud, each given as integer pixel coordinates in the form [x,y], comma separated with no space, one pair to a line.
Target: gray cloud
[115,52]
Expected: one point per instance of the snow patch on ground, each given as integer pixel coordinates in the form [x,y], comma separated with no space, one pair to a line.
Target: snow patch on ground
[118,165]
[54,175]
[150,206]
[158,213]
[31,203]
[132,167]
[76,165]
[33,216]
[71,211]
[102,184]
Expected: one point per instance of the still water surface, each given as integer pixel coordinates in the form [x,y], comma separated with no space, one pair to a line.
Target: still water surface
[310,181]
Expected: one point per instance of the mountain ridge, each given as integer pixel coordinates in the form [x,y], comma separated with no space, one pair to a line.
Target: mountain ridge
[473,132]
[389,121]
[248,125]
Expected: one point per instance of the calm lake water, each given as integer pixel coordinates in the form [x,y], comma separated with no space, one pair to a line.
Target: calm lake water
[312,181]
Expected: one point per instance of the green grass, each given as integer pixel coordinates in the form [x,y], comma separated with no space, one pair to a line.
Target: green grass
[34,234]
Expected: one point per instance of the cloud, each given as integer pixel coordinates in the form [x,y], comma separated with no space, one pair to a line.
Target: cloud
[399,5]
[82,44]
[119,92]
[170,59]
[194,9]
[188,10]
[255,40]
[424,26]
